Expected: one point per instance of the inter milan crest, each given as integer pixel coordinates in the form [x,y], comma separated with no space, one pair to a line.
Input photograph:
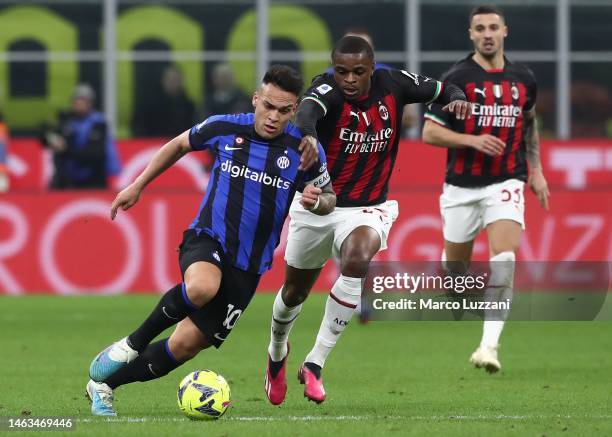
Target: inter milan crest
[283,162]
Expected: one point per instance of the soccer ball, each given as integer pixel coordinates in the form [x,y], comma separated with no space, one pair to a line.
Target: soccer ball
[203,395]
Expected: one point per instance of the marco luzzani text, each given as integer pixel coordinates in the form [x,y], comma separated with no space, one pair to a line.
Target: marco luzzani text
[458,284]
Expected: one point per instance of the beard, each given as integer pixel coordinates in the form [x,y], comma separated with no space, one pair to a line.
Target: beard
[490,53]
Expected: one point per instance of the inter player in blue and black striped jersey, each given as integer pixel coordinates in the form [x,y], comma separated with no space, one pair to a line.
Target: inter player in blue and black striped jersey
[260,163]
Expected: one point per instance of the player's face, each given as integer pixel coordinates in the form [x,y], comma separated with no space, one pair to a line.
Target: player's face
[352,72]
[274,107]
[81,106]
[487,32]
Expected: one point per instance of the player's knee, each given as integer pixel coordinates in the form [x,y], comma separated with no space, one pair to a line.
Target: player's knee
[355,263]
[506,245]
[357,251]
[200,291]
[186,348]
[294,294]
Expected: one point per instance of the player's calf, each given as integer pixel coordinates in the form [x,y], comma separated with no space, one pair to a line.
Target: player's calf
[499,290]
[283,318]
[156,361]
[173,307]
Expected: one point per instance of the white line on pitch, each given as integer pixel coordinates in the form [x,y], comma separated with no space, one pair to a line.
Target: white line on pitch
[346,418]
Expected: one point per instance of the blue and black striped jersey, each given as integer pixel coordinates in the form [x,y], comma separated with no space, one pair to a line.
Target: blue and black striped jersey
[252,184]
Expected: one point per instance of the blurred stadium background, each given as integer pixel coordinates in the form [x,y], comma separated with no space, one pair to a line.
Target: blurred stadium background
[64,243]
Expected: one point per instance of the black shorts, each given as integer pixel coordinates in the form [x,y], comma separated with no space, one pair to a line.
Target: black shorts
[217,318]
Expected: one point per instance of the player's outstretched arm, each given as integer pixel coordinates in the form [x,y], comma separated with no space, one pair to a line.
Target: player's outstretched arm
[441,136]
[163,159]
[306,117]
[310,152]
[461,109]
[454,101]
[537,181]
[320,201]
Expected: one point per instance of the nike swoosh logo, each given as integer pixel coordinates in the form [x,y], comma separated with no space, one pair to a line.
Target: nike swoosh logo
[227,147]
[218,337]
[151,369]
[168,315]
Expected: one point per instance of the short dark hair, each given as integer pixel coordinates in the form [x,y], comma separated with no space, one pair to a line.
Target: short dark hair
[487,9]
[361,32]
[357,29]
[284,77]
[353,45]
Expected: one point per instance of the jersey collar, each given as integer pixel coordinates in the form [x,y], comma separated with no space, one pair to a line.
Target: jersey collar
[470,59]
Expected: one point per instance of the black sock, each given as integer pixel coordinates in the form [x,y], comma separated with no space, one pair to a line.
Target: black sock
[275,366]
[314,368]
[173,307]
[154,362]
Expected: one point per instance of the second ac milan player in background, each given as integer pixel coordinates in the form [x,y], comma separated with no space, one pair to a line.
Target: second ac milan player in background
[487,166]
[356,114]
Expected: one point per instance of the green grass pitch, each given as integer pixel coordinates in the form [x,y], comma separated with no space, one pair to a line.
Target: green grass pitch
[384,378]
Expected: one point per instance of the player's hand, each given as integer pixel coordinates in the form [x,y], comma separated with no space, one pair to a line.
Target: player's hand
[310,152]
[125,199]
[310,196]
[539,186]
[488,144]
[56,142]
[461,108]
[4,181]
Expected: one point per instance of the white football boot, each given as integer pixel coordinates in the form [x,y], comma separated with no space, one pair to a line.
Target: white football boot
[486,356]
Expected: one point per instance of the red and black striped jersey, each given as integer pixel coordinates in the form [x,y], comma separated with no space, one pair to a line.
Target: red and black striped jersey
[500,98]
[361,137]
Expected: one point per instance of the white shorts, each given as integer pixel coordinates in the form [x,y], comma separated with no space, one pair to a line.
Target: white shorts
[465,211]
[313,239]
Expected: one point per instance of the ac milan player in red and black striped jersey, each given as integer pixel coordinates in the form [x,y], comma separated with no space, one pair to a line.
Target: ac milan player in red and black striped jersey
[360,127]
[356,113]
[500,96]
[490,156]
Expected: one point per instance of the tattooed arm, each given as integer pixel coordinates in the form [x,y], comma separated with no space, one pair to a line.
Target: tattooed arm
[537,181]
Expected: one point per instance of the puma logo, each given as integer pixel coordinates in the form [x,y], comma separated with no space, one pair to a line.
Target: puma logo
[480,91]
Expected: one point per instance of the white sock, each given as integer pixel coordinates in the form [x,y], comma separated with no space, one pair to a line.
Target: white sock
[339,309]
[283,318]
[499,290]
[491,331]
